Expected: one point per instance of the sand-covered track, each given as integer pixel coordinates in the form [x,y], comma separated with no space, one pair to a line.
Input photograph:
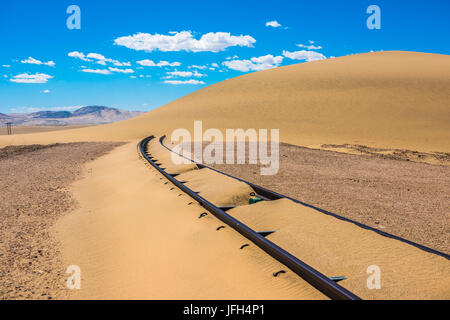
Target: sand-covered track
[272,195]
[324,284]
[331,244]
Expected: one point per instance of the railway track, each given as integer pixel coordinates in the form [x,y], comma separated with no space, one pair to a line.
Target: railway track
[271,195]
[324,284]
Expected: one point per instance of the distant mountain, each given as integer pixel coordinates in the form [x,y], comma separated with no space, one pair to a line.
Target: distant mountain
[51,114]
[94,110]
[83,115]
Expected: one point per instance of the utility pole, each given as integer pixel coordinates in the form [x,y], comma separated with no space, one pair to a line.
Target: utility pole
[9,128]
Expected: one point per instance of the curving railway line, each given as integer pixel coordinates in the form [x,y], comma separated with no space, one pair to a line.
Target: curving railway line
[326,285]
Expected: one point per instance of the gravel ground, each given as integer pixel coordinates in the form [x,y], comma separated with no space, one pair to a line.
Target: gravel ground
[33,194]
[402,197]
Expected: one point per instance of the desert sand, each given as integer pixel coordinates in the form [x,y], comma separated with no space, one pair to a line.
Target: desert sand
[36,129]
[332,246]
[380,99]
[134,237]
[34,183]
[409,199]
[336,248]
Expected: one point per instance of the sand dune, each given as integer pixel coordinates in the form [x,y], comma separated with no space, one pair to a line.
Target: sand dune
[382,99]
[146,242]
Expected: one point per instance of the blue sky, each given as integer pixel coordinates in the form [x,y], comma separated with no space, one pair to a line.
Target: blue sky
[45,65]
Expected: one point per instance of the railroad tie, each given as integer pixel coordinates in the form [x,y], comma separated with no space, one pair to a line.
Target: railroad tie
[265,233]
[337,279]
[227,208]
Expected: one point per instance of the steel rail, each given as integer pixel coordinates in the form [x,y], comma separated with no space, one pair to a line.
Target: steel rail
[274,196]
[309,274]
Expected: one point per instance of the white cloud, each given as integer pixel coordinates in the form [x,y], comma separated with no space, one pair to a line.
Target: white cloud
[184,40]
[121,64]
[311,46]
[36,109]
[198,75]
[150,63]
[45,91]
[197,67]
[185,74]
[181,73]
[6,66]
[31,78]
[304,55]
[100,58]
[233,57]
[273,24]
[133,77]
[99,71]
[212,67]
[255,63]
[191,81]
[32,60]
[121,70]
[168,64]
[78,55]
[97,58]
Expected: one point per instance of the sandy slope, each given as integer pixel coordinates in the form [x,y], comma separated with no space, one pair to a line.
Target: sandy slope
[336,247]
[383,99]
[405,198]
[145,241]
[34,193]
[36,129]
[332,246]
